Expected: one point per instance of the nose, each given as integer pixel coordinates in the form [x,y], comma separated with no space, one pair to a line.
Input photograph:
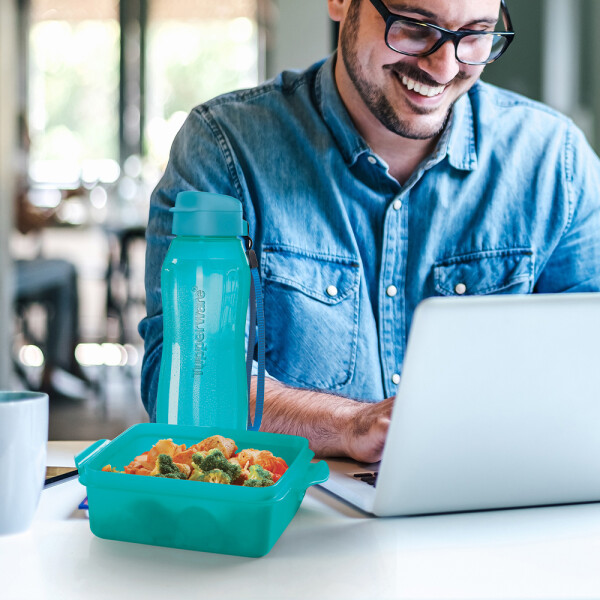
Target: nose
[442,65]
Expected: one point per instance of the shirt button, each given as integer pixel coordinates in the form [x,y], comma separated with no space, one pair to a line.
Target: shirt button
[391,291]
[332,290]
[397,204]
[372,160]
[460,288]
[396,378]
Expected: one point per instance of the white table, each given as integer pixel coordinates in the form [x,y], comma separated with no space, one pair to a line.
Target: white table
[328,551]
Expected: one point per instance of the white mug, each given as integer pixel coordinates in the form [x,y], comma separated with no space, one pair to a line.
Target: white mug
[23,442]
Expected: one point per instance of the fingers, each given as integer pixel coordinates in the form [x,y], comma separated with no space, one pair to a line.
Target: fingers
[368,432]
[387,405]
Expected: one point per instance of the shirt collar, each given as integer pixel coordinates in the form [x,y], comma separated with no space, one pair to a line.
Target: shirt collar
[457,141]
[462,149]
[335,114]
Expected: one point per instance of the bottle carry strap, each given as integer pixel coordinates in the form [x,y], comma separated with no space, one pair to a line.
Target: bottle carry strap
[257,316]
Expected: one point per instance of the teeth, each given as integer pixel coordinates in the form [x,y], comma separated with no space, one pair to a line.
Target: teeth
[424,90]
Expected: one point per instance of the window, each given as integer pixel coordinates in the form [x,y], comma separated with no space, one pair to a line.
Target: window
[178,54]
[73,91]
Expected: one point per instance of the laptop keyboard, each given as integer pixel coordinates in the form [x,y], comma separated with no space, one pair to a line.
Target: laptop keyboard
[369,477]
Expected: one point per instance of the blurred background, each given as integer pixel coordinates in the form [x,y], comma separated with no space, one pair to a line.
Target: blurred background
[92,96]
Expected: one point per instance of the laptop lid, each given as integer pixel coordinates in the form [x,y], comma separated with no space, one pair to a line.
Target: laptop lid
[498,406]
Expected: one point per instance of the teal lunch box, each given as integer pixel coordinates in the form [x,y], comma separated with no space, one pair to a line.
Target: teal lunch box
[194,515]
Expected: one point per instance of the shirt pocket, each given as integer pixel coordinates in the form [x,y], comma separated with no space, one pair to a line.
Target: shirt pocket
[490,272]
[311,317]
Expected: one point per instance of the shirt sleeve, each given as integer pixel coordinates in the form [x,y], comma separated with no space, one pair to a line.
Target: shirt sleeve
[574,265]
[198,161]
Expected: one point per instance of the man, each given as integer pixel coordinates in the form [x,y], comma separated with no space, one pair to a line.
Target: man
[384,175]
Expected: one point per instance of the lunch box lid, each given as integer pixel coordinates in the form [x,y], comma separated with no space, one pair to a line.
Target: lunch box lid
[140,438]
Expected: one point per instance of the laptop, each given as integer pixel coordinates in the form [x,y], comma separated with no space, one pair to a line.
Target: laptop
[498,406]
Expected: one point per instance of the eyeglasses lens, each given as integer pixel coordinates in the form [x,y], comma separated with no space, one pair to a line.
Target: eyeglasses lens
[480,49]
[412,38]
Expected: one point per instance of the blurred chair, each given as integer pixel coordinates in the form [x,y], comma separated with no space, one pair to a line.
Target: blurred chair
[124,300]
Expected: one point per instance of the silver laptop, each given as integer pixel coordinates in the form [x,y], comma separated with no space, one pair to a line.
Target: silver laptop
[498,406]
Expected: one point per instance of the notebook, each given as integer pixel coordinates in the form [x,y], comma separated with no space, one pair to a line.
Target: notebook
[498,406]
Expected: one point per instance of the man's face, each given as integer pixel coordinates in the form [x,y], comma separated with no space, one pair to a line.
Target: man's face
[382,78]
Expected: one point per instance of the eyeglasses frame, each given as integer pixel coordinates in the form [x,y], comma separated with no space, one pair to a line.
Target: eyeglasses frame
[446,34]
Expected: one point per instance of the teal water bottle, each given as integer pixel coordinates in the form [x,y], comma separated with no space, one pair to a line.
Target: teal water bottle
[205,285]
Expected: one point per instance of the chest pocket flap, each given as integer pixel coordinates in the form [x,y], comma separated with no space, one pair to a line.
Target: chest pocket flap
[330,281]
[488,272]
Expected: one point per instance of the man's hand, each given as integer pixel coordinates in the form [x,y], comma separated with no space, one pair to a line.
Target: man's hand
[366,432]
[333,425]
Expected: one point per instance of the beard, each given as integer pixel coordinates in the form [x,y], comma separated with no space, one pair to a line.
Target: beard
[375,98]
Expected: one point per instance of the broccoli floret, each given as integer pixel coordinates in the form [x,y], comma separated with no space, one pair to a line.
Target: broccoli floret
[259,477]
[214,476]
[197,473]
[165,467]
[215,459]
[197,458]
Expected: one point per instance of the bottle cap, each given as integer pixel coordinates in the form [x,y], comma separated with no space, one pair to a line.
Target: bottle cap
[207,214]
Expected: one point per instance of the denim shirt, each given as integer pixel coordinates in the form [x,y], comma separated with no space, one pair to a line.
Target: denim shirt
[509,202]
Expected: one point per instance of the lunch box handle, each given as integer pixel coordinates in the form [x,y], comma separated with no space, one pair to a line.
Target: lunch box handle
[83,457]
[317,473]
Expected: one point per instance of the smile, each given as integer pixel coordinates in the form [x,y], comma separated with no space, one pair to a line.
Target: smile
[420,88]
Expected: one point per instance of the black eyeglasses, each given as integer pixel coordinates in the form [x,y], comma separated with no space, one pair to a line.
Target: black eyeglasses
[416,38]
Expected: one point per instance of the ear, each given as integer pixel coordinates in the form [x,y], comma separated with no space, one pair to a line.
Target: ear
[337,9]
